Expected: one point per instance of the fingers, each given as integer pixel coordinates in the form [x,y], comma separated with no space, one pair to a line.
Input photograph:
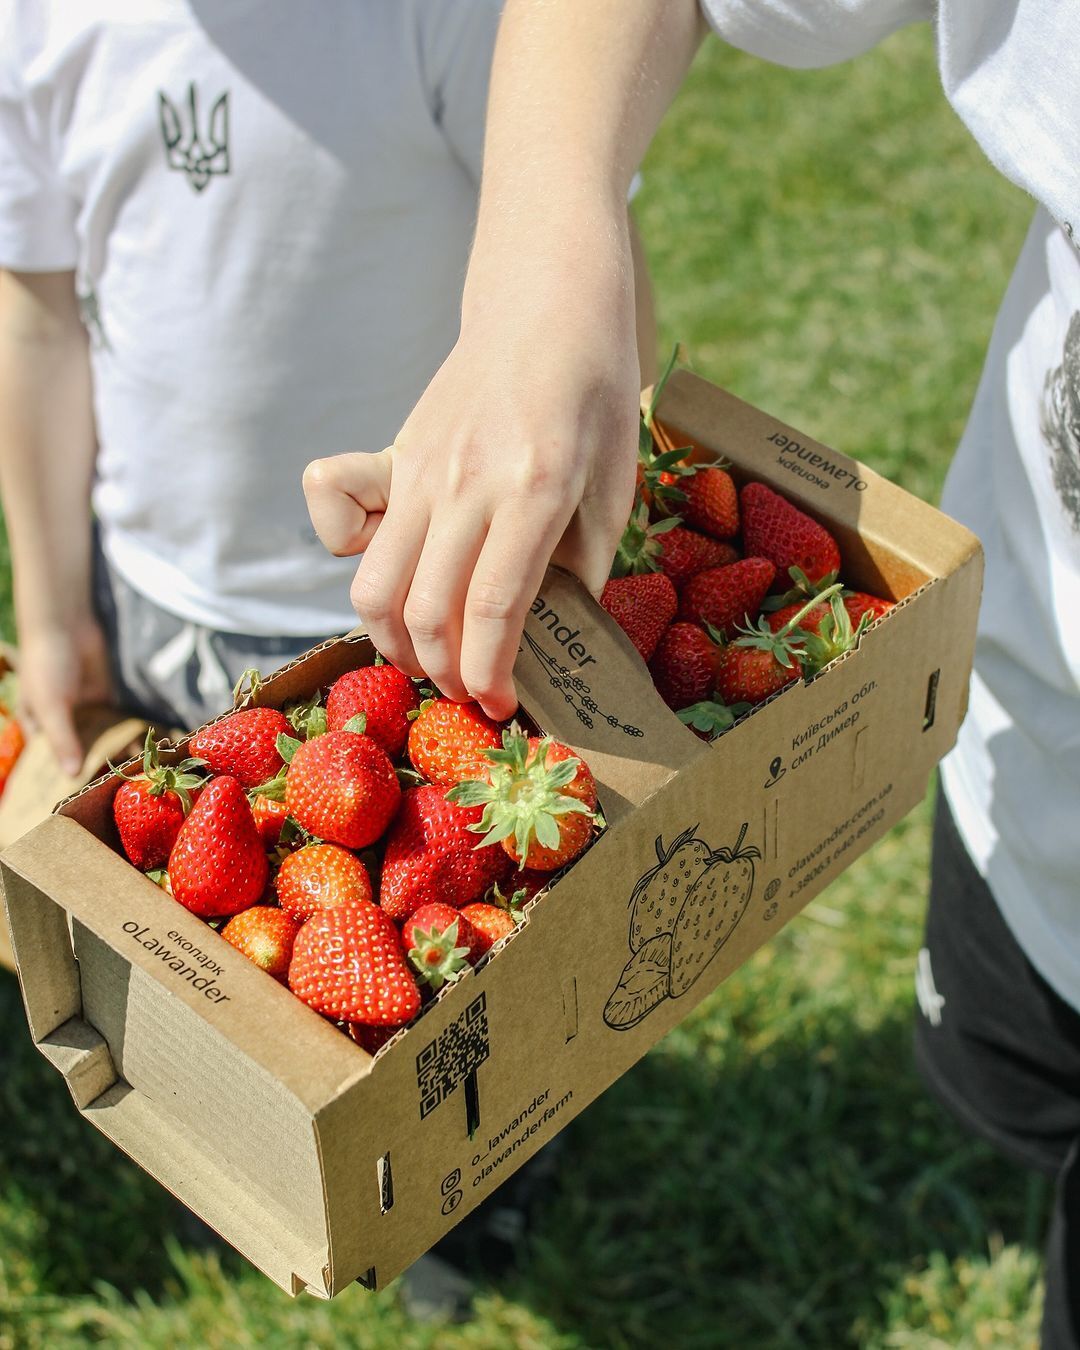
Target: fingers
[505,581]
[346,498]
[384,579]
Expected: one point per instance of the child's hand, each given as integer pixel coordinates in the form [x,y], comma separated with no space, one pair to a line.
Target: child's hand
[61,669]
[522,451]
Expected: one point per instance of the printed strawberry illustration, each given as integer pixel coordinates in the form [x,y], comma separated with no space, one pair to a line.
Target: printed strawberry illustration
[725,596]
[440,944]
[683,666]
[659,894]
[538,799]
[340,787]
[150,809]
[715,904]
[318,876]
[218,865]
[447,740]
[432,855]
[265,935]
[642,607]
[383,695]
[643,985]
[776,529]
[348,963]
[243,745]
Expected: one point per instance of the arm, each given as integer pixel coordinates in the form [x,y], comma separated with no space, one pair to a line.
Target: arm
[522,449]
[47,448]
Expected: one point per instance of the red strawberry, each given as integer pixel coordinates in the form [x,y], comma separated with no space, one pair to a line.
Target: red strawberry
[490,922]
[372,1039]
[685,553]
[150,809]
[712,503]
[243,745]
[218,865]
[432,855]
[384,695]
[348,963]
[341,787]
[447,740]
[751,674]
[265,935]
[318,876]
[270,815]
[12,742]
[774,528]
[858,603]
[642,607]
[684,665]
[539,801]
[726,596]
[440,944]
[809,623]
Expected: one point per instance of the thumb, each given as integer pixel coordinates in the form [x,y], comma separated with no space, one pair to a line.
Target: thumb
[58,725]
[346,497]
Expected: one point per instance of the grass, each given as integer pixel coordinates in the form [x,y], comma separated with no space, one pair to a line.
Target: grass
[832,246]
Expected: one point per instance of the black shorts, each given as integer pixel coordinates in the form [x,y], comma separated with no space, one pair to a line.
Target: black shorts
[1001,1050]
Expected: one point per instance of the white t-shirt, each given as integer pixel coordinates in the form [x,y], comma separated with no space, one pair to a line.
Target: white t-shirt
[1011,69]
[269,208]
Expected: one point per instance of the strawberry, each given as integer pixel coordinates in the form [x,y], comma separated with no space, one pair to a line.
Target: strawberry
[685,553]
[712,502]
[270,815]
[760,662]
[539,801]
[318,876]
[432,937]
[384,695]
[371,1038]
[348,963]
[642,607]
[432,855]
[12,742]
[726,596]
[858,603]
[265,935]
[149,809]
[776,529]
[447,740]
[809,623]
[490,922]
[340,787]
[218,865]
[243,745]
[683,667]
[523,886]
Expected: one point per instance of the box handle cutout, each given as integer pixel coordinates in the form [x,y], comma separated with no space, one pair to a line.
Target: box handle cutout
[570,1010]
[386,1184]
[931,700]
[472,1103]
[367,1280]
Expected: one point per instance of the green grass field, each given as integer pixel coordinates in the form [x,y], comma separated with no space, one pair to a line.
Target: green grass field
[832,246]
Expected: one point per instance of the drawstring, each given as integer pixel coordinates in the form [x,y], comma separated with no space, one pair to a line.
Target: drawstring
[211,678]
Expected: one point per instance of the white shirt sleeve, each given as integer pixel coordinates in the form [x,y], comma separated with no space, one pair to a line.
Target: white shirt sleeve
[457,41]
[811,33]
[37,214]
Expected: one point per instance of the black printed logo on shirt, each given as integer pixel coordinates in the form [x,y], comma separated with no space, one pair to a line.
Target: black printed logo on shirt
[200,151]
[1061,423]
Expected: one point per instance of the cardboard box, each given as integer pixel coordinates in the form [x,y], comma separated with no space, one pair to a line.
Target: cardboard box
[200,1067]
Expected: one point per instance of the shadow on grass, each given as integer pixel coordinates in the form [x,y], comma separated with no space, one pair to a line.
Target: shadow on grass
[775,1201]
[712,1198]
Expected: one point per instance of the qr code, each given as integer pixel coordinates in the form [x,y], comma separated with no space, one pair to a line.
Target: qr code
[453,1055]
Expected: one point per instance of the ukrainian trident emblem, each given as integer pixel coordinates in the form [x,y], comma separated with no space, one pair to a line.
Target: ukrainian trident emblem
[199,152]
